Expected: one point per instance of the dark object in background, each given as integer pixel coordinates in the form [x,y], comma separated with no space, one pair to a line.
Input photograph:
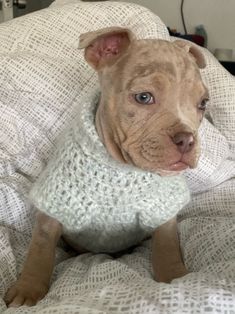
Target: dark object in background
[197,39]
[31,6]
[229,65]
[21,4]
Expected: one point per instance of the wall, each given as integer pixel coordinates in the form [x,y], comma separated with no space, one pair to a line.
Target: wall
[218,17]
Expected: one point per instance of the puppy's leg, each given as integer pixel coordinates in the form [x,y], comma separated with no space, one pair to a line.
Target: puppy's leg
[167,259]
[34,280]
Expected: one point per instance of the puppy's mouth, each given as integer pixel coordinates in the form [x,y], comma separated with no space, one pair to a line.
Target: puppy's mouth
[178,166]
[173,168]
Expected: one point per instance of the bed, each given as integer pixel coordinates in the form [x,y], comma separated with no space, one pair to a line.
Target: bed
[43,79]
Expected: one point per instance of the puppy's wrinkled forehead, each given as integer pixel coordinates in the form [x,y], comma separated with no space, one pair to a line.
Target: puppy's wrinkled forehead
[148,57]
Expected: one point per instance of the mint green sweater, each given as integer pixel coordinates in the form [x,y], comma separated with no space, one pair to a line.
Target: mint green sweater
[104,205]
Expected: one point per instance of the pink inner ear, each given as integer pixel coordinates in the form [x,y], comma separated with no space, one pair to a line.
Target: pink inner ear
[110,46]
[106,47]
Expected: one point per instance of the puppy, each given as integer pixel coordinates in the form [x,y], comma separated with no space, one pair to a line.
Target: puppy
[151,105]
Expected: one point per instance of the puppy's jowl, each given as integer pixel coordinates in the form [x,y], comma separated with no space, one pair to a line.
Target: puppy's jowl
[114,181]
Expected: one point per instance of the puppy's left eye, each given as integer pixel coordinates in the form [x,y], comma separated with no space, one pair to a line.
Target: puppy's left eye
[202,106]
[144,98]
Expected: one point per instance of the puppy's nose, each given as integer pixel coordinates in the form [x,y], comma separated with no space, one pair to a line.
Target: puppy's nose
[184,141]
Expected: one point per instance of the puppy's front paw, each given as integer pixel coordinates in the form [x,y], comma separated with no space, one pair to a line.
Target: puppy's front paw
[25,292]
[167,258]
[167,272]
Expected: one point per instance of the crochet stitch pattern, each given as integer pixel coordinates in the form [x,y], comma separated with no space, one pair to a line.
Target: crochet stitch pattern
[104,205]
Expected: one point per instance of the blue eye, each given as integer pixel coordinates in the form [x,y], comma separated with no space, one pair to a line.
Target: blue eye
[144,98]
[202,106]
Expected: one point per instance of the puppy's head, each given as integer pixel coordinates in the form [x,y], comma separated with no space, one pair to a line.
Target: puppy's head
[152,98]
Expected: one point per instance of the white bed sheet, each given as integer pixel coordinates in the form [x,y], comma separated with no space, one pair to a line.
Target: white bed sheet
[43,78]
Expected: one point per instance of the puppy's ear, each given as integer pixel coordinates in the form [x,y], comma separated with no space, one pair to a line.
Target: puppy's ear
[194,51]
[105,46]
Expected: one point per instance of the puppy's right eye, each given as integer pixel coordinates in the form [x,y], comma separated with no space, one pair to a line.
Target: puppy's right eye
[144,98]
[203,105]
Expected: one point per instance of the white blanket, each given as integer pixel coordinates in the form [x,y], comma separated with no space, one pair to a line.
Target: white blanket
[43,78]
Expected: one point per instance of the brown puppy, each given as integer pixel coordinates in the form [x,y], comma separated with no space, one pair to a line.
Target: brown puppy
[152,103]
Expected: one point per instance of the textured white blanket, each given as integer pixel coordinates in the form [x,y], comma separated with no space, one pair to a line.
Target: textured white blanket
[43,80]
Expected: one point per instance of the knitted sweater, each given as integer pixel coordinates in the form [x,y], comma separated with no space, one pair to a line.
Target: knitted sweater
[104,205]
